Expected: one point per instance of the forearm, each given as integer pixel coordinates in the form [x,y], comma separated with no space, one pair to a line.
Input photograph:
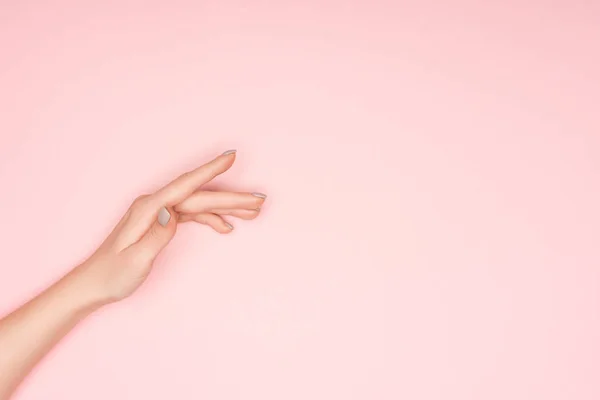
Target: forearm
[30,332]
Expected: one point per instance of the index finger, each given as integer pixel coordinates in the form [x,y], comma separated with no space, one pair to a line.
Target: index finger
[185,185]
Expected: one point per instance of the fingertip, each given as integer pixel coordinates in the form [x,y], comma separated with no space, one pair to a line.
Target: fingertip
[259,203]
[250,214]
[228,157]
[258,199]
[224,227]
[259,195]
[226,160]
[223,230]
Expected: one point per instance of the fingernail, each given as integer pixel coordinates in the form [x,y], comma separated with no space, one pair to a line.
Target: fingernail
[229,226]
[164,217]
[228,152]
[261,195]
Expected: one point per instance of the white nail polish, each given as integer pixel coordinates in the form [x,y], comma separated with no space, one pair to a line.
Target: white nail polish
[229,225]
[261,195]
[228,152]
[164,216]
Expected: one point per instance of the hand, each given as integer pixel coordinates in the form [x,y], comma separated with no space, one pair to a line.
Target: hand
[118,267]
[124,260]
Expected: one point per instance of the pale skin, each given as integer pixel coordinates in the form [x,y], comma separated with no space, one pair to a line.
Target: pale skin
[118,267]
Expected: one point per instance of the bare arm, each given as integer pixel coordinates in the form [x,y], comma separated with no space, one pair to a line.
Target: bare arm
[118,267]
[30,332]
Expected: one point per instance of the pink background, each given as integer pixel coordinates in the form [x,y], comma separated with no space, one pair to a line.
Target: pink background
[432,169]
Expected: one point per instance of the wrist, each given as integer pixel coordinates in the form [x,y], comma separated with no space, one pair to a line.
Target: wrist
[81,291]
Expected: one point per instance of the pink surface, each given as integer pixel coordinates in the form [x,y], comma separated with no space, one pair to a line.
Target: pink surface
[432,168]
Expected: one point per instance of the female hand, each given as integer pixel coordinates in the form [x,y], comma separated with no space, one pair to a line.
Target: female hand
[125,259]
[118,267]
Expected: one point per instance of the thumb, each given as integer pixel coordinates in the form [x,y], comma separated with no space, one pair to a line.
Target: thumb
[159,234]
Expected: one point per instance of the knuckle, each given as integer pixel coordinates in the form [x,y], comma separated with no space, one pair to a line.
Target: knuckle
[139,201]
[185,176]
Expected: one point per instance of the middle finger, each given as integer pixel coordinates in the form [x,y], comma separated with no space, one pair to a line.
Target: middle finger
[206,200]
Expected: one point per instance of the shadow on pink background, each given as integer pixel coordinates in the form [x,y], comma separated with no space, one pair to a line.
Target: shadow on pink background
[432,168]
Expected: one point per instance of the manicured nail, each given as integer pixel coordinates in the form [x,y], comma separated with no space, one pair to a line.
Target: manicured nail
[229,226]
[164,217]
[228,152]
[261,195]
